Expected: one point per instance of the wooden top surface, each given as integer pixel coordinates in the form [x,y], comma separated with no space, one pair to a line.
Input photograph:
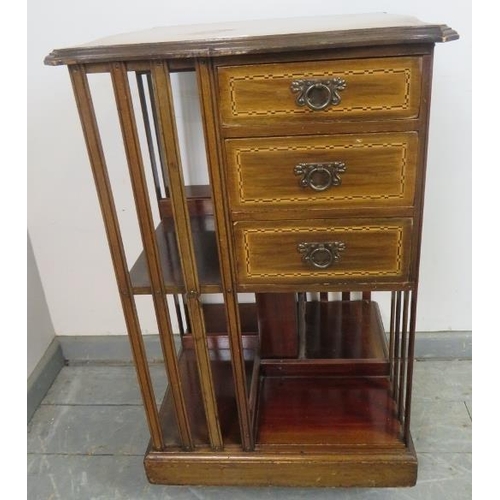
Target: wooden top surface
[259,36]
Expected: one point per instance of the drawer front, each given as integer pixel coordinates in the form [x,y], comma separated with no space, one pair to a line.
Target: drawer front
[369,250]
[320,90]
[362,171]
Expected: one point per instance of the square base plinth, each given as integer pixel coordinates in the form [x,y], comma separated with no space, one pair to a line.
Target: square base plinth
[341,468]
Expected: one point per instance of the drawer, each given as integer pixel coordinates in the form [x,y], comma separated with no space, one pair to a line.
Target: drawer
[295,92]
[323,251]
[359,171]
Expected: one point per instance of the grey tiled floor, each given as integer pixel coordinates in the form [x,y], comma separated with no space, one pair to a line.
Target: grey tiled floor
[87,440]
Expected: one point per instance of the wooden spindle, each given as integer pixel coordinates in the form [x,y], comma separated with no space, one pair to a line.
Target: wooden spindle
[403,357]
[301,315]
[391,335]
[409,368]
[154,115]
[397,332]
[149,136]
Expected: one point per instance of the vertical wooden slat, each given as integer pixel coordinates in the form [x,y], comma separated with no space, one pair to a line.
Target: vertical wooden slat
[210,119]
[254,391]
[367,296]
[149,137]
[97,161]
[346,295]
[157,131]
[409,369]
[169,150]
[403,357]
[397,332]
[391,335]
[301,316]
[141,197]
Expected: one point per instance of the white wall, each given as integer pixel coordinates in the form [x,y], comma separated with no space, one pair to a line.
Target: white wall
[63,215]
[40,330]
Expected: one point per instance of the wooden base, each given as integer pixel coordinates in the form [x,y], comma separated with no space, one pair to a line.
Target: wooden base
[343,468]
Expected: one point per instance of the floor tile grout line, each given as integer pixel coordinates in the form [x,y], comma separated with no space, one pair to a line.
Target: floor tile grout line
[441,359]
[437,451]
[424,399]
[467,408]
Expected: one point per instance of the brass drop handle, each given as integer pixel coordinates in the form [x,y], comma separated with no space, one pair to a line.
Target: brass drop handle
[321,255]
[318,94]
[320,176]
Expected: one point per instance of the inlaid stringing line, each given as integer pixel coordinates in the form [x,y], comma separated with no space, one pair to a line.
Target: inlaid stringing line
[307,197]
[333,272]
[406,72]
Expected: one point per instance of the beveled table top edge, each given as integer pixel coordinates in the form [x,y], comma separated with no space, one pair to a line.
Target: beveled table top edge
[255,37]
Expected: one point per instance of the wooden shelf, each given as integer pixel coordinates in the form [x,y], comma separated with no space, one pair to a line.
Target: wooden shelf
[327,411]
[207,259]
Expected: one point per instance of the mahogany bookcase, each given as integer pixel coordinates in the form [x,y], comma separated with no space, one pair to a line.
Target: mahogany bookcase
[315,132]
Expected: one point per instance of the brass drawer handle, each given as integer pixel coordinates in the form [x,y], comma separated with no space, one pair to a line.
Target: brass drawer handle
[321,255]
[320,176]
[318,94]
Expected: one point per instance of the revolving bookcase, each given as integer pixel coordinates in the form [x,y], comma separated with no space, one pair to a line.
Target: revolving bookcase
[315,131]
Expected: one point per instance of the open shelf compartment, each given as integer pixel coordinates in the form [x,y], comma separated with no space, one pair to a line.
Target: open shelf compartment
[340,395]
[207,259]
[342,337]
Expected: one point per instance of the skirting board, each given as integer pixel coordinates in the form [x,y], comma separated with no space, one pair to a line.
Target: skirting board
[43,376]
[115,349]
